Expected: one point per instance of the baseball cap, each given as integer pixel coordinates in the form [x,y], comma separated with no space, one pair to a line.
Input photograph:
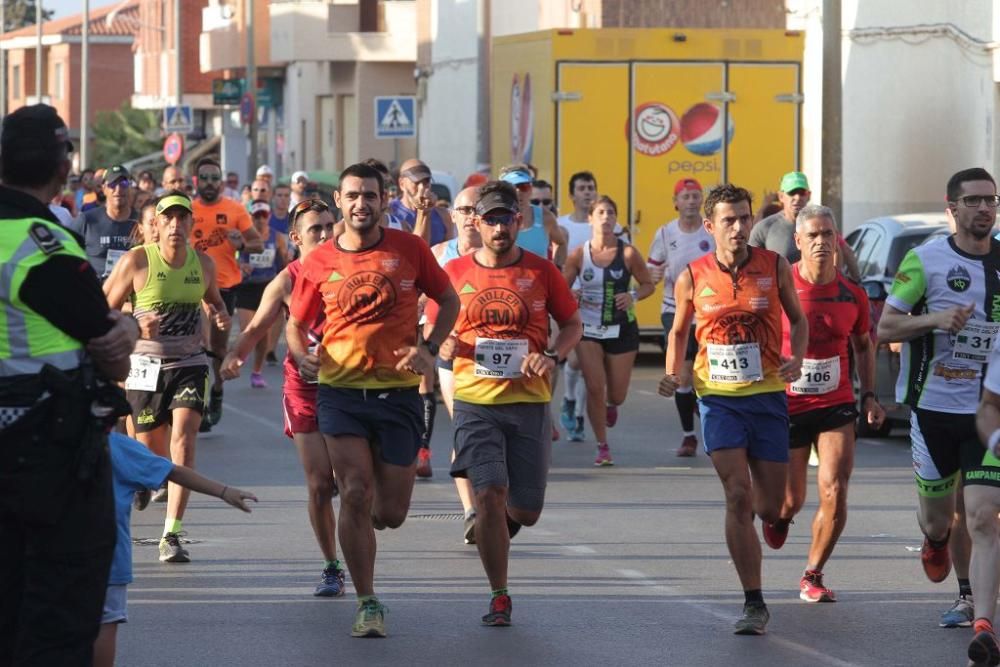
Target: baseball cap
[516,177]
[686,184]
[794,180]
[34,128]
[299,175]
[497,199]
[116,172]
[264,170]
[260,206]
[169,201]
[417,173]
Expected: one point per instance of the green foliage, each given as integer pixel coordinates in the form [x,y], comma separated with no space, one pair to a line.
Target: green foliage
[123,134]
[19,13]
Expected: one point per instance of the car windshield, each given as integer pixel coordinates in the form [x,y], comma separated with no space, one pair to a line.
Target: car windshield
[900,246]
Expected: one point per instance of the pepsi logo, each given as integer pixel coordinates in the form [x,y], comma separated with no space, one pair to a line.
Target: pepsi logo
[701,129]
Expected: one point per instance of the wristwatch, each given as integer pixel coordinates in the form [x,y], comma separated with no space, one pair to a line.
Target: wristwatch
[432,347]
[551,354]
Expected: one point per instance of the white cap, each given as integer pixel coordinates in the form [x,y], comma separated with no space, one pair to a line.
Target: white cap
[264,170]
[299,174]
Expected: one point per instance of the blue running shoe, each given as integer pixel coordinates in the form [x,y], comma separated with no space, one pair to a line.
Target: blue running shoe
[331,584]
[960,615]
[566,414]
[576,432]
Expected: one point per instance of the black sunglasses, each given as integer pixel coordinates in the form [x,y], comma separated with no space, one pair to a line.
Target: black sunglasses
[541,202]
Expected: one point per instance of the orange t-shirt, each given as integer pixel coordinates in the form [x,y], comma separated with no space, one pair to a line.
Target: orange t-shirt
[504,316]
[212,223]
[370,301]
[735,315]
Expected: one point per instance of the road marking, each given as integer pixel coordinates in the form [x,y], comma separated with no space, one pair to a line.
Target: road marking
[257,418]
[579,549]
[643,580]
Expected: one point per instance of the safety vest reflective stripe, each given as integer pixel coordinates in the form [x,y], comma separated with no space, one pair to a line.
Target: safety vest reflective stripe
[27,340]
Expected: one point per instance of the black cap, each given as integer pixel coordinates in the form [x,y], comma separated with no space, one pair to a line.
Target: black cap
[497,199]
[36,128]
[417,173]
[116,172]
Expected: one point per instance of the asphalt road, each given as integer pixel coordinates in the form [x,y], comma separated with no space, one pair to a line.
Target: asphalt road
[628,565]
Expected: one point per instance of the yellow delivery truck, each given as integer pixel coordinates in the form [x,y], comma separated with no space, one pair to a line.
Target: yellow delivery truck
[642,108]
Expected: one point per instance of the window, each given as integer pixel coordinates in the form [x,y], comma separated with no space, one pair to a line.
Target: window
[16,82]
[57,82]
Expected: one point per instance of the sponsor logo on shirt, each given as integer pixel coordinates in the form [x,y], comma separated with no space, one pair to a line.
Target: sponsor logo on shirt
[706,292]
[759,303]
[949,373]
[498,312]
[765,283]
[617,273]
[390,265]
[958,278]
[524,284]
[367,296]
[467,289]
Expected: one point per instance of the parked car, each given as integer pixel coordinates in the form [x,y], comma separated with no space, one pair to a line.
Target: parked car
[880,245]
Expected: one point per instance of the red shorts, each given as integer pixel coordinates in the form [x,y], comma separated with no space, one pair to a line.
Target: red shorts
[298,404]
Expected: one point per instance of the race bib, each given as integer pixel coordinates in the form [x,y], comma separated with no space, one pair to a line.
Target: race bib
[732,364]
[500,359]
[111,260]
[600,332]
[819,376]
[143,374]
[975,341]
[262,260]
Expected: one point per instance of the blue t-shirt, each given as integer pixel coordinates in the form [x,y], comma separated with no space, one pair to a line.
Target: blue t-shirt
[279,224]
[133,468]
[438,227]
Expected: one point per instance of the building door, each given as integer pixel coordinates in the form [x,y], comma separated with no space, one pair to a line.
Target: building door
[349,130]
[328,133]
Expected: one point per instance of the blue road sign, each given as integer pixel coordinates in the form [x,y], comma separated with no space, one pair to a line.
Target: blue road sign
[395,117]
[178,119]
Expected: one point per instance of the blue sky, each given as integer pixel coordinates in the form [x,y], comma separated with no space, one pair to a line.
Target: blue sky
[69,7]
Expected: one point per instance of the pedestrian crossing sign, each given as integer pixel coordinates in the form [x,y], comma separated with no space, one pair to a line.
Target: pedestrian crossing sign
[395,117]
[178,119]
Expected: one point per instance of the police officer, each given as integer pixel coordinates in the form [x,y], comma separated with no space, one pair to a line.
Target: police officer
[58,341]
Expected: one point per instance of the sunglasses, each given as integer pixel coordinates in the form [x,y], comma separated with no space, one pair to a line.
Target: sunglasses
[120,184]
[466,210]
[541,202]
[211,178]
[501,219]
[316,205]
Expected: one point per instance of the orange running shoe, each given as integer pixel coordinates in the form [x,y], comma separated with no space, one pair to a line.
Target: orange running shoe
[936,560]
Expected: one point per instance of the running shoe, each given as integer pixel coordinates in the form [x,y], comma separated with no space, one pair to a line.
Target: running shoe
[689,446]
[811,588]
[500,608]
[424,463]
[576,432]
[936,560]
[960,615]
[206,425]
[171,550]
[331,584]
[271,359]
[215,407]
[611,417]
[775,533]
[140,500]
[160,496]
[566,414]
[470,528]
[603,456]
[257,381]
[370,619]
[754,619]
[983,649]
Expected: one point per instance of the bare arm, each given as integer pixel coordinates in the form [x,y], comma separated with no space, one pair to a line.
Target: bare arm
[252,242]
[680,331]
[212,298]
[640,273]
[448,306]
[276,294]
[864,359]
[897,326]
[571,269]
[190,479]
[558,237]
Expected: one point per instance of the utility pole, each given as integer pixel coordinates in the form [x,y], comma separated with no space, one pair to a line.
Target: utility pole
[38,51]
[251,90]
[84,86]
[832,157]
[178,55]
[3,60]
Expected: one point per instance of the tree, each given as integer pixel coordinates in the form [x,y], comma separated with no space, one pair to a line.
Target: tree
[19,13]
[124,134]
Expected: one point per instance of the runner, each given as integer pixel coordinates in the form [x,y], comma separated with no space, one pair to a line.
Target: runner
[539,233]
[258,270]
[733,295]
[675,245]
[821,404]
[367,282]
[106,229]
[311,224]
[172,179]
[467,242]
[260,190]
[279,222]
[583,192]
[502,367]
[414,196]
[299,181]
[388,219]
[604,268]
[169,376]
[221,228]
[942,307]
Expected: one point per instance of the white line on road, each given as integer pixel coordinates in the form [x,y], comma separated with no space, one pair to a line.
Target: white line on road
[257,418]
[579,549]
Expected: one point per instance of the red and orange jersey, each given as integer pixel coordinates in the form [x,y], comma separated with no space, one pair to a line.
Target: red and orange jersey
[209,234]
[370,301]
[738,326]
[504,316]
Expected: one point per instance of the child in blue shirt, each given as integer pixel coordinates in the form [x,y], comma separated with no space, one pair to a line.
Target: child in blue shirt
[135,468]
